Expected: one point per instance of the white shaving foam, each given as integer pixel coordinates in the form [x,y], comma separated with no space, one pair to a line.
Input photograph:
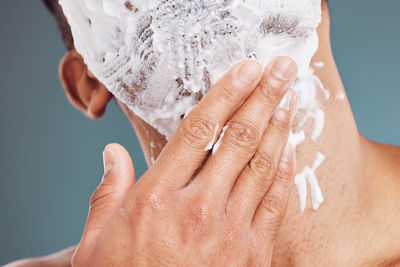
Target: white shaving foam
[152,148]
[211,144]
[308,175]
[296,139]
[340,96]
[219,142]
[161,57]
[319,64]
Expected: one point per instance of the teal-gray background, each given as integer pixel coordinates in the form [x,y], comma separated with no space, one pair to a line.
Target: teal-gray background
[51,155]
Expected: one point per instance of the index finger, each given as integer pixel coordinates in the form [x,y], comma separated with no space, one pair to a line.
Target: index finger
[188,148]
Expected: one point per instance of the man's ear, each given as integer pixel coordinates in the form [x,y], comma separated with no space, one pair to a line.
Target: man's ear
[84,91]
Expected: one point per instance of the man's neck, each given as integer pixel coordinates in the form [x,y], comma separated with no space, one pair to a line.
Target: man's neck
[357,225]
[354,225]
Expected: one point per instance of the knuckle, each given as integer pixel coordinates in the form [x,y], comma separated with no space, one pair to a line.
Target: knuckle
[198,130]
[101,196]
[271,93]
[229,93]
[233,89]
[275,206]
[145,204]
[263,164]
[201,214]
[272,224]
[281,125]
[200,217]
[243,134]
[284,172]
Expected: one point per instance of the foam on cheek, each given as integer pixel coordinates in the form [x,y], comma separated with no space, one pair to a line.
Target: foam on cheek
[161,57]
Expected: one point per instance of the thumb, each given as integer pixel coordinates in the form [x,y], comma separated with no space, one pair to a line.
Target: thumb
[118,179]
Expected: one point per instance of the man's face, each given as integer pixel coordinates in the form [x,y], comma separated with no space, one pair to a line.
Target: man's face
[161,57]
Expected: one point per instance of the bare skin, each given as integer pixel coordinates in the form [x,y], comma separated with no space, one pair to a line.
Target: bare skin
[59,259]
[357,225]
[195,207]
[187,209]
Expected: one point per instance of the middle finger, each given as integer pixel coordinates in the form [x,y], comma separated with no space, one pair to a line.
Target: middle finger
[244,131]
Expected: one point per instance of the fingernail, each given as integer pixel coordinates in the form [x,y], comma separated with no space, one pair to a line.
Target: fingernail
[108,159]
[283,69]
[287,153]
[249,71]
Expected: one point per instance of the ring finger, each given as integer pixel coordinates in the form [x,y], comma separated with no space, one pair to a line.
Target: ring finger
[258,175]
[244,131]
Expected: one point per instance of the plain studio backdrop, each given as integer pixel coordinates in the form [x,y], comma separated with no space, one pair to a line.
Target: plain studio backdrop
[51,155]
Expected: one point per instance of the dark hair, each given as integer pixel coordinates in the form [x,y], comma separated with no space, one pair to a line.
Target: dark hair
[56,10]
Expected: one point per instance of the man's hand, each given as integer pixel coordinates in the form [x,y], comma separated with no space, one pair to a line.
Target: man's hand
[197,208]
[59,259]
